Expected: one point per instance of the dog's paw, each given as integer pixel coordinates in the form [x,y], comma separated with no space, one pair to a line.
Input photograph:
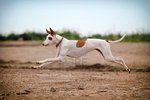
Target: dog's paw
[128,70]
[35,67]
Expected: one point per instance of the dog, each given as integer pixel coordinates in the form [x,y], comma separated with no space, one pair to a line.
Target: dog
[78,48]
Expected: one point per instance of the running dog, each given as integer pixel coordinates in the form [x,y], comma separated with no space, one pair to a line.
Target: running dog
[78,48]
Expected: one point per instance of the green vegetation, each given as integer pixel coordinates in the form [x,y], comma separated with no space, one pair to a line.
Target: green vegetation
[25,36]
[69,34]
[135,37]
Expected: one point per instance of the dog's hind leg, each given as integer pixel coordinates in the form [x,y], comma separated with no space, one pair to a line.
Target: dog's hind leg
[118,60]
[107,54]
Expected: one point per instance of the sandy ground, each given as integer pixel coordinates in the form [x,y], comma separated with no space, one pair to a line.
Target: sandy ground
[87,78]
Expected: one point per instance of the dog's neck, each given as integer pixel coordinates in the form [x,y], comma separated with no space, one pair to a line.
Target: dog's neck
[59,40]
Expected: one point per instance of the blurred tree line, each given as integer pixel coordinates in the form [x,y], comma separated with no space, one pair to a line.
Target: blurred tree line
[27,36]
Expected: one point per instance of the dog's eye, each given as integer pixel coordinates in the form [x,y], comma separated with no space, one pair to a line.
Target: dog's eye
[49,38]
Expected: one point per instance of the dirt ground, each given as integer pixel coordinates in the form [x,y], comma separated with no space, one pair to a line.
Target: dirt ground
[87,78]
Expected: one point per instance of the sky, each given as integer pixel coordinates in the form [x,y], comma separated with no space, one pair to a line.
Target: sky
[84,16]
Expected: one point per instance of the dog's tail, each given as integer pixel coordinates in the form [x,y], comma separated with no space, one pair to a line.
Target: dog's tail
[117,40]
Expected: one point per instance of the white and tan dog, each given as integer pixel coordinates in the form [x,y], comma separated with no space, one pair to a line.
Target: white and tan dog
[77,48]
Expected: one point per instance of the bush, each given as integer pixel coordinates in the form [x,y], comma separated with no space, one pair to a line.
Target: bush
[12,36]
[2,38]
[97,36]
[70,35]
[32,36]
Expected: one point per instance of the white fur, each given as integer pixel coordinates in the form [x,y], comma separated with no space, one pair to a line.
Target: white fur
[68,48]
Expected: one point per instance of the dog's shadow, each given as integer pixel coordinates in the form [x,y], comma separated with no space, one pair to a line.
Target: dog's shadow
[92,67]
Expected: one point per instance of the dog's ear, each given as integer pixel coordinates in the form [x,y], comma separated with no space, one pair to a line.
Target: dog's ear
[48,31]
[52,32]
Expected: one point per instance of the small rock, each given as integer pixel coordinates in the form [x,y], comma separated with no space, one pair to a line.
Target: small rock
[80,88]
[1,96]
[103,91]
[53,89]
[22,93]
[25,92]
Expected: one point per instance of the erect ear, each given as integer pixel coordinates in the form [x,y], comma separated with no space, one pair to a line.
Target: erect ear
[48,31]
[52,32]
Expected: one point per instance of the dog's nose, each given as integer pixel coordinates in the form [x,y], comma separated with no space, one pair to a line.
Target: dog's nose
[43,44]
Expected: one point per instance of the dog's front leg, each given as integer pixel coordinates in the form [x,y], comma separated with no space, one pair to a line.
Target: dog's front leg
[48,61]
[43,61]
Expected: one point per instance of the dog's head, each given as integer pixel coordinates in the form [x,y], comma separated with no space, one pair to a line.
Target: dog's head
[50,38]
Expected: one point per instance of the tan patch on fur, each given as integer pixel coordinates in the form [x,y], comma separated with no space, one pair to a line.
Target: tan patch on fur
[80,43]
